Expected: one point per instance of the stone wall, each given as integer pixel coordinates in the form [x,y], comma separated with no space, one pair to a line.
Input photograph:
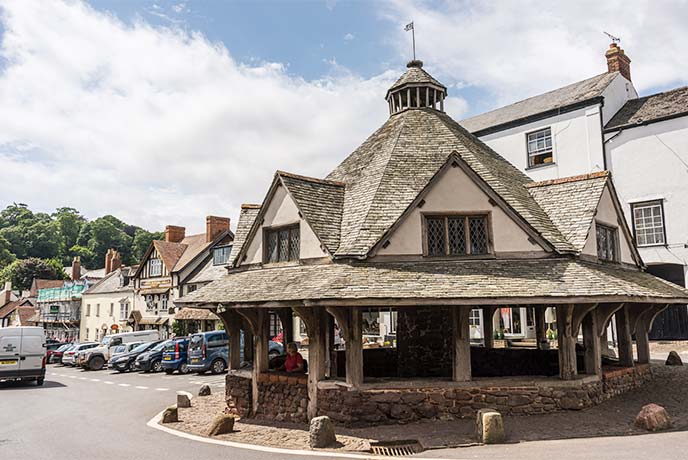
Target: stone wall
[238,395]
[510,397]
[283,398]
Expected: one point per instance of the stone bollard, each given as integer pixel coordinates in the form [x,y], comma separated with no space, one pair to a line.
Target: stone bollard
[673,359]
[653,417]
[170,415]
[204,391]
[183,399]
[222,424]
[489,427]
[321,432]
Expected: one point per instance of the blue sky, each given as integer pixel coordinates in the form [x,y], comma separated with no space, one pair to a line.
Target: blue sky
[165,112]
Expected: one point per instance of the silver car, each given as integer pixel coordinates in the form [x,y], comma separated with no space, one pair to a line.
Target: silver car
[69,356]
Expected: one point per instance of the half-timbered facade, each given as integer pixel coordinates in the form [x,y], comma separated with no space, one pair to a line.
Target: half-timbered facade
[424,224]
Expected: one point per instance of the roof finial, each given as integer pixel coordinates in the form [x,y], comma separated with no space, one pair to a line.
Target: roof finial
[408,27]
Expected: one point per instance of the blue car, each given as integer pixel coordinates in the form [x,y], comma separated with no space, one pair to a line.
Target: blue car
[209,351]
[174,356]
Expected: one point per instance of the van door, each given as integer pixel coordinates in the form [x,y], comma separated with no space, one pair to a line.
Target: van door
[32,351]
[10,346]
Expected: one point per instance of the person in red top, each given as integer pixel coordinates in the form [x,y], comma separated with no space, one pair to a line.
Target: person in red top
[294,361]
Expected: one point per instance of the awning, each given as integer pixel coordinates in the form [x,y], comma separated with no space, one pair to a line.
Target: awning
[196,314]
[153,291]
[464,282]
[154,320]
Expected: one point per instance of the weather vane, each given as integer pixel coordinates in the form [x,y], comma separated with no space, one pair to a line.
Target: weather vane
[408,27]
[613,38]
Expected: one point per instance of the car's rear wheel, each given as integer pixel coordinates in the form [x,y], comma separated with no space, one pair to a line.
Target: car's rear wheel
[96,363]
[218,366]
[156,366]
[40,380]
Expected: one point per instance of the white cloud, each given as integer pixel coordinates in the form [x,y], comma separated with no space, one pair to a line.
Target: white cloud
[517,49]
[158,126]
[349,37]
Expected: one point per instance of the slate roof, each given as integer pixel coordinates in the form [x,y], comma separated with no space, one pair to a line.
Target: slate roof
[248,215]
[209,271]
[321,202]
[656,107]
[195,244]
[111,283]
[560,98]
[571,203]
[388,171]
[198,314]
[415,75]
[471,281]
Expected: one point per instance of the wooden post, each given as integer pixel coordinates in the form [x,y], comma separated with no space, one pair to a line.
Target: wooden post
[354,349]
[623,329]
[593,352]
[287,319]
[566,339]
[488,326]
[257,320]
[462,344]
[541,328]
[316,324]
[232,322]
[642,342]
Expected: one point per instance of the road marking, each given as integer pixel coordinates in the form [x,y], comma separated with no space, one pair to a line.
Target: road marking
[109,383]
[95,380]
[161,389]
[141,387]
[83,378]
[124,384]
[72,376]
[52,373]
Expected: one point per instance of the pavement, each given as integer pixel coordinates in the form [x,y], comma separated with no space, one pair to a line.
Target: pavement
[102,415]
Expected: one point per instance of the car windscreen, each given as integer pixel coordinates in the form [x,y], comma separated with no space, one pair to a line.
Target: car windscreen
[141,348]
[160,346]
[196,342]
[170,346]
[64,347]
[105,341]
[119,349]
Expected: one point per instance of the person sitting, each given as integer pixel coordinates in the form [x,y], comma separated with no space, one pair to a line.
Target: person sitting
[294,362]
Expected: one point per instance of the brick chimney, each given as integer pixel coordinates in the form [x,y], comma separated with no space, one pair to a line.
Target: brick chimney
[617,61]
[174,234]
[76,269]
[7,293]
[214,226]
[108,261]
[116,261]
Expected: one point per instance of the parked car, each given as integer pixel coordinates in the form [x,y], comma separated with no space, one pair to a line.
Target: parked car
[55,356]
[209,351]
[122,349]
[22,353]
[151,360]
[175,354]
[274,349]
[124,362]
[96,358]
[69,357]
[59,355]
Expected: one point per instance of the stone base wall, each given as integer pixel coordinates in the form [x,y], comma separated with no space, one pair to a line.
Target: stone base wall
[238,395]
[283,398]
[366,407]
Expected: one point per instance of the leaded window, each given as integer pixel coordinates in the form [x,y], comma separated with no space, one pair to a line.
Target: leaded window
[155,267]
[456,235]
[648,223]
[606,243]
[540,150]
[282,244]
[221,255]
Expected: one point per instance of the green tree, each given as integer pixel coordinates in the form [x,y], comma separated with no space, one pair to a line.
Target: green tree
[6,256]
[69,223]
[87,256]
[22,272]
[142,240]
[107,233]
[14,214]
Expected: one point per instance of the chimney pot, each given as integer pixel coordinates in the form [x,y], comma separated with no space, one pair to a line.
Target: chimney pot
[76,269]
[617,61]
[116,261]
[8,292]
[108,261]
[214,226]
[174,234]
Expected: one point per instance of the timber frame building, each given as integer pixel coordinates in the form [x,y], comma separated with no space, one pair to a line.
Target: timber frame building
[426,220]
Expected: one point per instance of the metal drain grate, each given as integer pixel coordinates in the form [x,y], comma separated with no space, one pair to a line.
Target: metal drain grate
[396,448]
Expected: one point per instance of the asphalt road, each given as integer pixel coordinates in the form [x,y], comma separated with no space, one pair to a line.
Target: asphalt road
[102,415]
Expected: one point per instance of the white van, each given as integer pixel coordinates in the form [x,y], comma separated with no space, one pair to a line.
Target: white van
[22,354]
[95,358]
